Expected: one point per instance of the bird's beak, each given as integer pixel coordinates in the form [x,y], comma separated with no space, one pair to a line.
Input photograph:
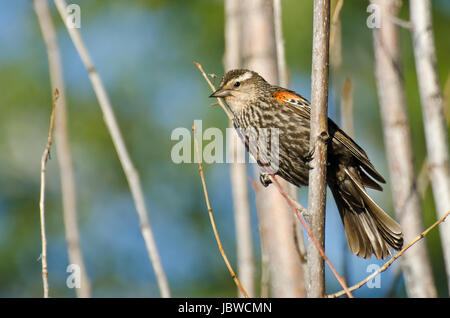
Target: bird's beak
[221,93]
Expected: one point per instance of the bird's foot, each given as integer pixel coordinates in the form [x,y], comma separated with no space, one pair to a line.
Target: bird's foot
[265,179]
[309,157]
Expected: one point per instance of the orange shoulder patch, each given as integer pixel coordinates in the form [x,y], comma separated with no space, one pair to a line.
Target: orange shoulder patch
[288,97]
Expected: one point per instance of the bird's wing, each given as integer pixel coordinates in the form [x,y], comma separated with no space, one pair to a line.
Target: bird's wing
[294,101]
[301,107]
[342,138]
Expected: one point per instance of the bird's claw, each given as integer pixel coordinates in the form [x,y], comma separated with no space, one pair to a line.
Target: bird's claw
[309,157]
[265,179]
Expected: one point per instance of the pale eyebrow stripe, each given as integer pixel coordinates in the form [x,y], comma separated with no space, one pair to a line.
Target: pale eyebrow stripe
[244,77]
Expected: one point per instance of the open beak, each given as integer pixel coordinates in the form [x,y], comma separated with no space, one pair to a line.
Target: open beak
[221,93]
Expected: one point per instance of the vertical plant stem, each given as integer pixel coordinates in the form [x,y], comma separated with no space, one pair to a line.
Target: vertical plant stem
[62,146]
[418,276]
[211,218]
[284,82]
[433,115]
[276,223]
[44,159]
[124,157]
[238,170]
[318,143]
[279,44]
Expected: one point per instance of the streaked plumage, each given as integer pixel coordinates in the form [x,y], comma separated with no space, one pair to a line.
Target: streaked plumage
[256,104]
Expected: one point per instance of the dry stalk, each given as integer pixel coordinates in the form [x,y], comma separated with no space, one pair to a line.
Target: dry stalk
[44,159]
[211,218]
[129,169]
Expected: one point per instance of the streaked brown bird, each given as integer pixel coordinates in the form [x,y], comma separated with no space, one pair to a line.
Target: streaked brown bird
[256,105]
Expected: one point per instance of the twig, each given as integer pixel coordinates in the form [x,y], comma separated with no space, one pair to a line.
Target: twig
[401,23]
[211,218]
[303,211]
[44,159]
[389,263]
[62,146]
[119,144]
[221,104]
[298,210]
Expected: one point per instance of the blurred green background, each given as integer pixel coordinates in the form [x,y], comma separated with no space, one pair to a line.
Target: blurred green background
[144,51]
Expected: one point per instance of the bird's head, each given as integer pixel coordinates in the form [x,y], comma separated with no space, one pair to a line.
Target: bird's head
[240,87]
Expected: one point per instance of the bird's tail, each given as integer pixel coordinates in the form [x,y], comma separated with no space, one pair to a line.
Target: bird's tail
[369,230]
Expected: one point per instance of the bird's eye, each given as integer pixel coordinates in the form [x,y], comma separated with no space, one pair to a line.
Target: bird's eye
[237,84]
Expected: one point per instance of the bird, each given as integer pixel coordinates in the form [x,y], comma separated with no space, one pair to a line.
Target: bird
[258,106]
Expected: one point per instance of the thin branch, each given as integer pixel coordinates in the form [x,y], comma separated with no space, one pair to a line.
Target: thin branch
[119,144]
[389,263]
[401,23]
[318,145]
[45,157]
[62,146]
[219,101]
[211,218]
[298,210]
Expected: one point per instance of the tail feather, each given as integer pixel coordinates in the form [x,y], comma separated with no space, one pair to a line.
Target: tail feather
[368,182]
[385,220]
[369,230]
